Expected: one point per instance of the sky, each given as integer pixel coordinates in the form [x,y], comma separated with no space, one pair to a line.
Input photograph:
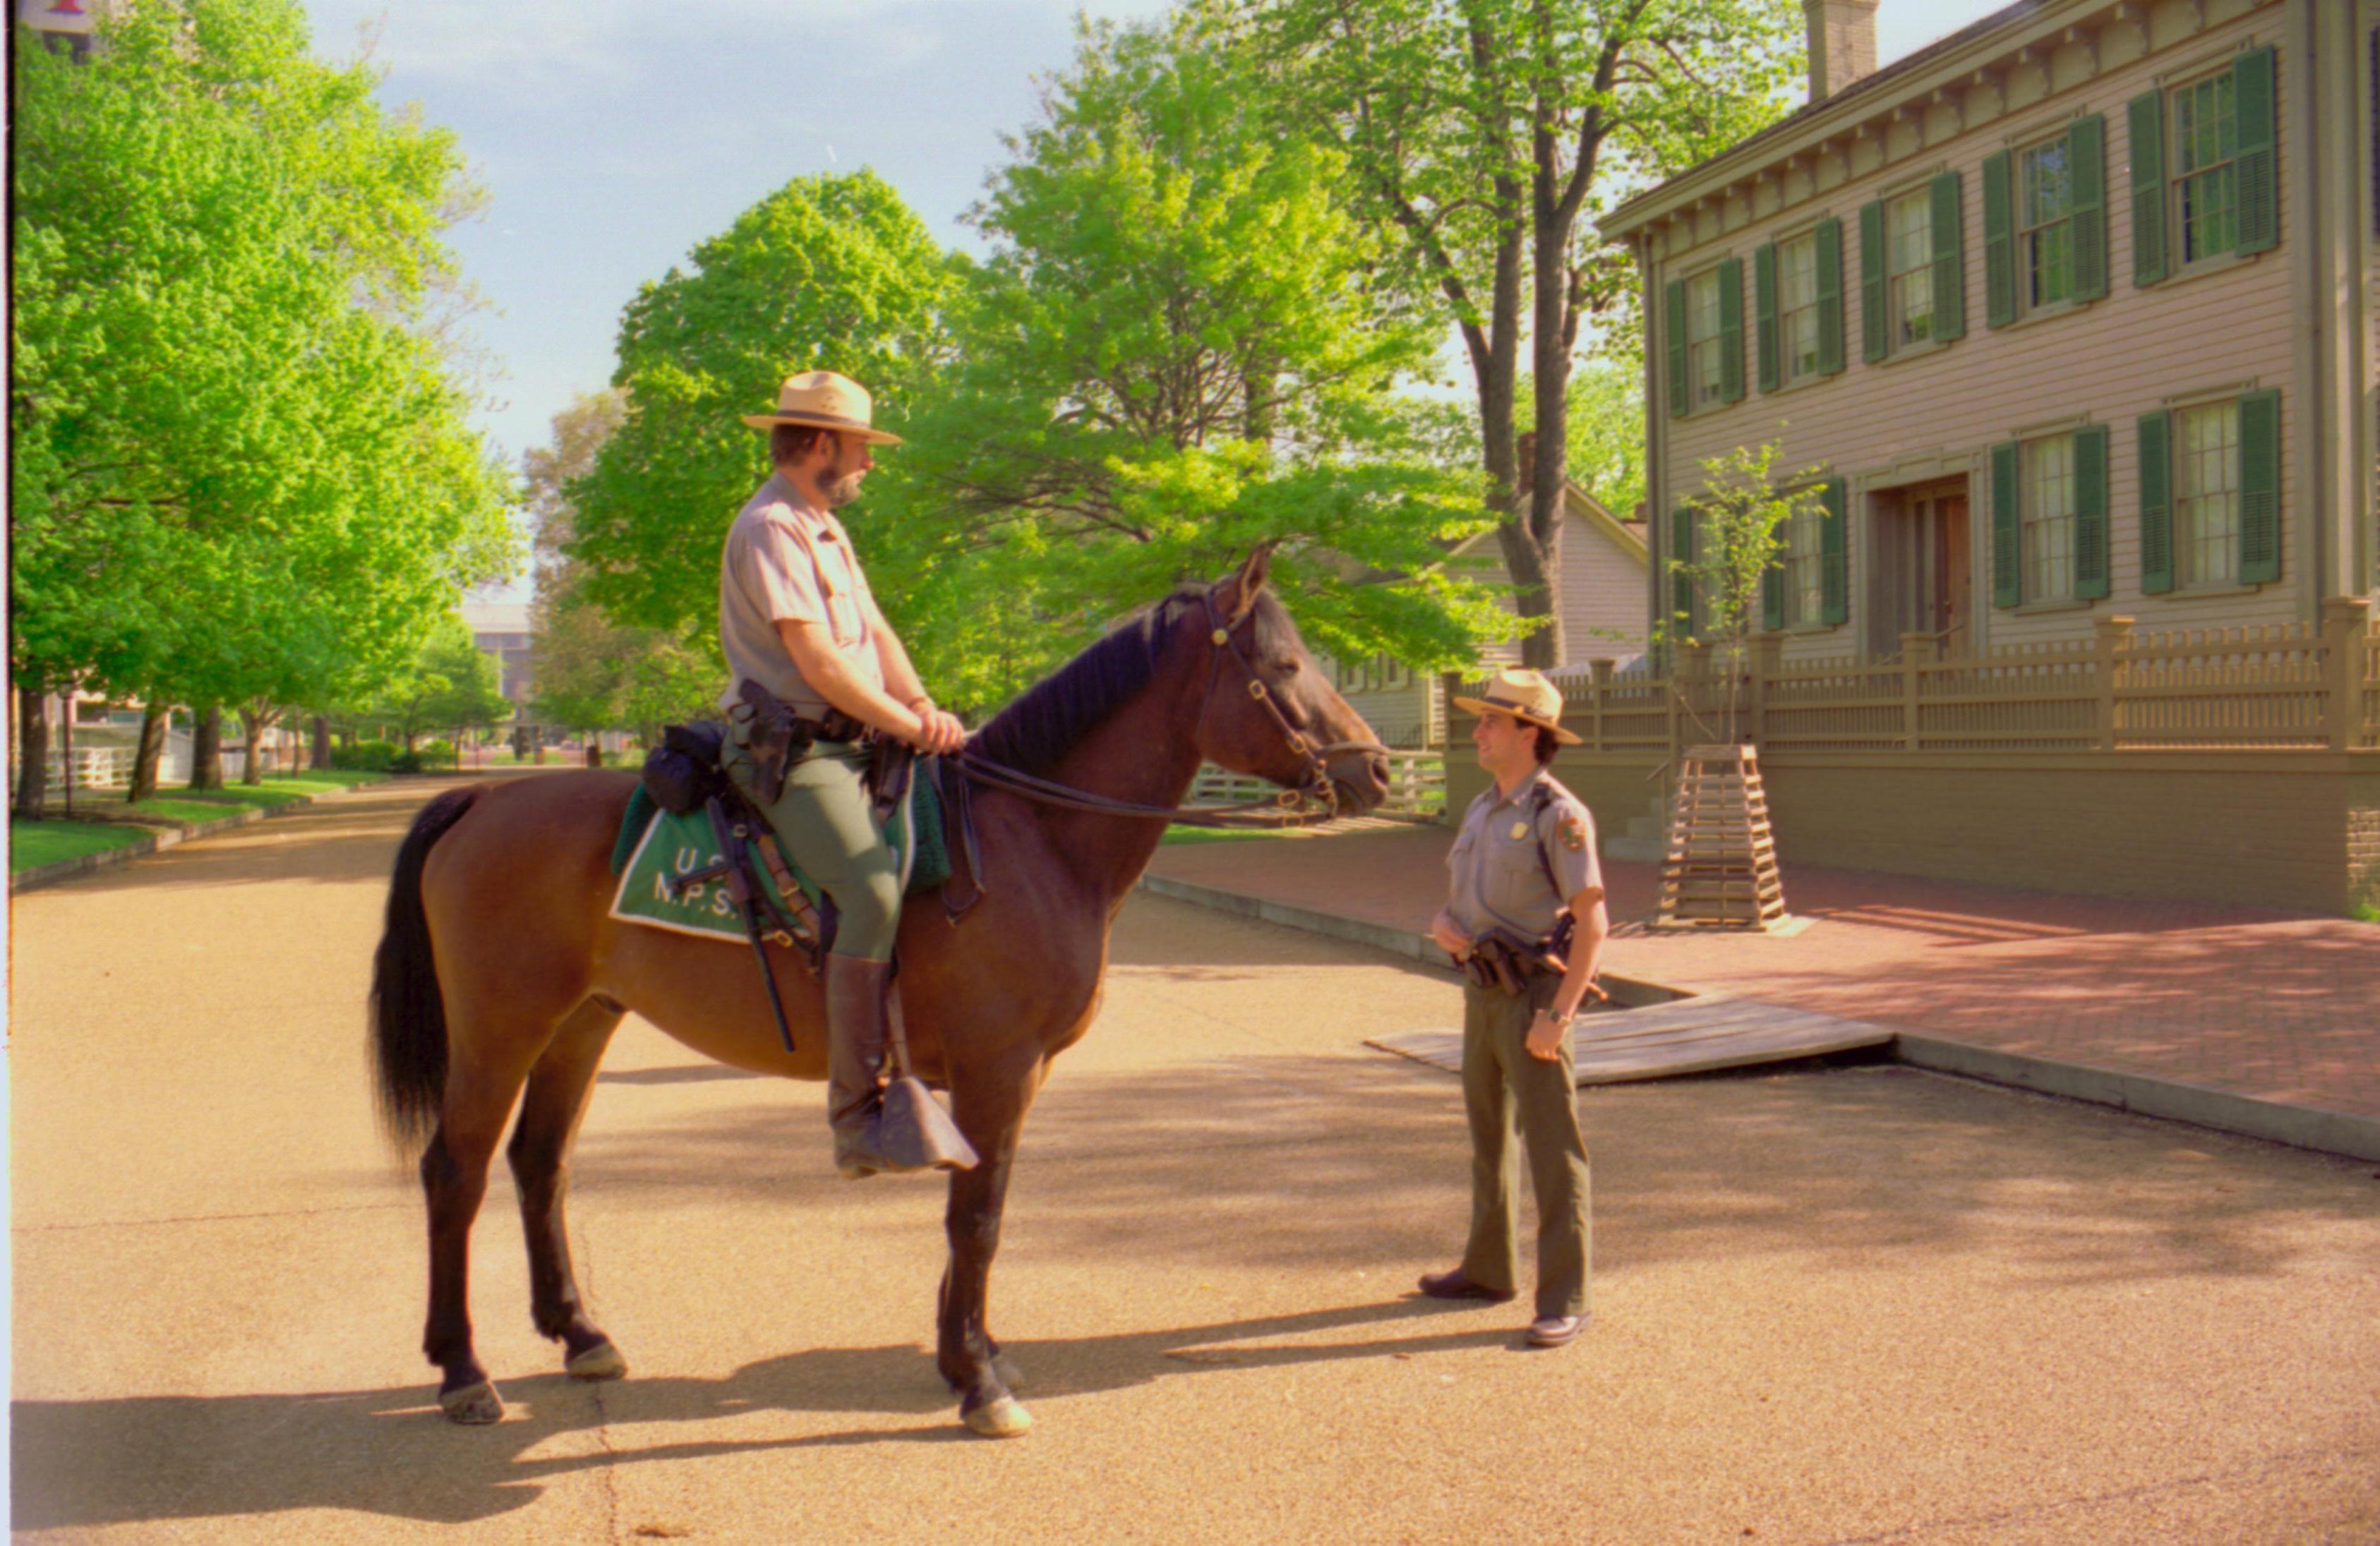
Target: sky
[611,135]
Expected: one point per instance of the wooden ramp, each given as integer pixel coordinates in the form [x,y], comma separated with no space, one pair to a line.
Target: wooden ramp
[1687,1035]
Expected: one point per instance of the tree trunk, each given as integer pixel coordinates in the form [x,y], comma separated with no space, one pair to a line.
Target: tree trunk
[256,722]
[33,751]
[150,751]
[322,742]
[206,747]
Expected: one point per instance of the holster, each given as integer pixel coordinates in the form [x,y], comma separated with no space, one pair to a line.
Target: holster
[1503,960]
[773,734]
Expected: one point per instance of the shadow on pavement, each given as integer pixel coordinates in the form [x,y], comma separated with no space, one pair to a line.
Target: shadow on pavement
[388,1451]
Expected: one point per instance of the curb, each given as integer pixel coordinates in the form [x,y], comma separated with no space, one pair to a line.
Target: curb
[2300,1127]
[66,869]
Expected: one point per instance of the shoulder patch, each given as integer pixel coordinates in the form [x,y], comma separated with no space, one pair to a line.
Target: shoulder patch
[1573,830]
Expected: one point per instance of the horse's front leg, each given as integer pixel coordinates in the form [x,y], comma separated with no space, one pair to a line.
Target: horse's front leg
[968,1358]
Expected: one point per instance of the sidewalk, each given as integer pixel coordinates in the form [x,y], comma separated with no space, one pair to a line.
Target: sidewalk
[2188,1010]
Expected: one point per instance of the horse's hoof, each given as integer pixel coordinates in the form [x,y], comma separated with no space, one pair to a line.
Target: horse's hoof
[1005,1369]
[602,1361]
[1003,1418]
[472,1404]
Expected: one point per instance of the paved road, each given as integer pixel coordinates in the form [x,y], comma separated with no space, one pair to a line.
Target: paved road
[1863,1304]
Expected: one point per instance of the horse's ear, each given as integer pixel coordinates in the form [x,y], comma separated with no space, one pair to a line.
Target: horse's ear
[1240,591]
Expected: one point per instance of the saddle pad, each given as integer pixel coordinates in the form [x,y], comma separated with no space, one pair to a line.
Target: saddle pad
[675,845]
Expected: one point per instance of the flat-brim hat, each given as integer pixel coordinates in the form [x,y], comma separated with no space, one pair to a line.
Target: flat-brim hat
[827,401]
[1526,696]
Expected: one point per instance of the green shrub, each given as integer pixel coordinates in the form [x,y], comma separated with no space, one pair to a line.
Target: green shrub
[364,757]
[428,756]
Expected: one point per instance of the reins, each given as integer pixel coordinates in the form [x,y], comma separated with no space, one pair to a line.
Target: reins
[1285,809]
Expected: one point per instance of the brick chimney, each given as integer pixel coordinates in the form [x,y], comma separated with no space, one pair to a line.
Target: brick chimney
[1842,43]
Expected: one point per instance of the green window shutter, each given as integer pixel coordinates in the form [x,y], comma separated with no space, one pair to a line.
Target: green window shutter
[1834,557]
[2086,165]
[2007,587]
[1681,585]
[1873,342]
[2156,504]
[1772,596]
[1763,312]
[1999,242]
[1830,296]
[1731,330]
[2258,163]
[2145,134]
[1950,259]
[2090,528]
[2260,487]
[1673,327]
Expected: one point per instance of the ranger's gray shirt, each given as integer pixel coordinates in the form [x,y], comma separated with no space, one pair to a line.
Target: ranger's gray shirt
[786,561]
[1498,876]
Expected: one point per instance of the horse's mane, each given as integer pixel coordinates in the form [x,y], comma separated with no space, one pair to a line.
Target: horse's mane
[1050,719]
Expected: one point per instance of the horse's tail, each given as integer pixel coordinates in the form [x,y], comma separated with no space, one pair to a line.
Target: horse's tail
[408,1013]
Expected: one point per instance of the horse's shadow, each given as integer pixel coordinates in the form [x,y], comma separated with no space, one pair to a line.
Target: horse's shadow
[388,1451]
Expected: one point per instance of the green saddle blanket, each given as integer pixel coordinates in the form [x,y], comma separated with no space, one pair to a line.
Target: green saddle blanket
[655,846]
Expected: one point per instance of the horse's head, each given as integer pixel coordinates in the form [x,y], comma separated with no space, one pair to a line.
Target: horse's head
[1269,711]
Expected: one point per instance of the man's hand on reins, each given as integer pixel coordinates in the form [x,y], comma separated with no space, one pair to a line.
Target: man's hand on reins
[939,731]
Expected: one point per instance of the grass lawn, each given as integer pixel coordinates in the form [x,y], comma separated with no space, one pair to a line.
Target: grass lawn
[33,843]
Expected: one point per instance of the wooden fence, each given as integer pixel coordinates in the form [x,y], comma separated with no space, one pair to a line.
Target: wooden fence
[2279,687]
[1416,786]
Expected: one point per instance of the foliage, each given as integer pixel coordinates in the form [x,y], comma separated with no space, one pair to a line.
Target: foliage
[449,685]
[829,272]
[364,757]
[1740,518]
[1485,137]
[1175,350]
[242,468]
[1606,431]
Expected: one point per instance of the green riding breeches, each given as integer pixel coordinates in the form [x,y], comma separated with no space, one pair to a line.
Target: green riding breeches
[823,823]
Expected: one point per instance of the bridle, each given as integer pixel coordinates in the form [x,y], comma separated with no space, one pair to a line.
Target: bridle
[1286,809]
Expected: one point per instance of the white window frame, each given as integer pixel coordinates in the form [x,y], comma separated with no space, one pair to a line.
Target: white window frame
[2027,231]
[1806,565]
[2046,536]
[2222,172]
[2193,501]
[1901,278]
[1704,348]
[1797,315]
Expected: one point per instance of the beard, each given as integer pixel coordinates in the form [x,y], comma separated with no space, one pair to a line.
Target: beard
[841,490]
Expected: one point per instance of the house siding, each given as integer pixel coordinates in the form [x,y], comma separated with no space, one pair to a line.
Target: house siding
[1934,416]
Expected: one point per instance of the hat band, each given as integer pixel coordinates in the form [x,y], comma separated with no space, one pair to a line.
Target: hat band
[824,421]
[1506,705]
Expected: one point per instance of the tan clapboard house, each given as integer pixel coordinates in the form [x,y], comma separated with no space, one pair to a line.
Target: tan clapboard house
[1604,564]
[2068,318]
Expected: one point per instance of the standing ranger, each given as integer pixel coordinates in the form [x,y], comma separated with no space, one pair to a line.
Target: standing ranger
[1525,917]
[816,672]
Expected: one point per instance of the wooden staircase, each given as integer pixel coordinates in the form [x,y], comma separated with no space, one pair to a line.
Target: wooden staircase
[1720,871]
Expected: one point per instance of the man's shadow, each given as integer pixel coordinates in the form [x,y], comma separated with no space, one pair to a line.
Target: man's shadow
[389,1452]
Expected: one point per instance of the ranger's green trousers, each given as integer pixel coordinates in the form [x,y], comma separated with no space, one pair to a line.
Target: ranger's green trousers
[824,825]
[1501,1080]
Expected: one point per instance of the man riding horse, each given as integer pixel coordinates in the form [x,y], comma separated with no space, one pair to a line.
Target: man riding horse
[803,639]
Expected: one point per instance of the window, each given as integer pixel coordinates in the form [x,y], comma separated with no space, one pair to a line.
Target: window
[2048,518]
[2206,494]
[1912,267]
[1805,597]
[2045,232]
[1706,365]
[2205,178]
[1797,312]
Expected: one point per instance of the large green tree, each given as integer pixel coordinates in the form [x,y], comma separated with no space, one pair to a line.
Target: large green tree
[828,273]
[1177,348]
[243,473]
[1483,137]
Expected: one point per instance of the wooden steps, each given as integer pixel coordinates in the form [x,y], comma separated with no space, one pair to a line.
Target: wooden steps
[1721,869]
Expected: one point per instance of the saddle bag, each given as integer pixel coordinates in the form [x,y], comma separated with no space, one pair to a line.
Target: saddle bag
[682,772]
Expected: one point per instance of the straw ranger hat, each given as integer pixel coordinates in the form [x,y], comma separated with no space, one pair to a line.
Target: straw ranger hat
[829,400]
[1526,696]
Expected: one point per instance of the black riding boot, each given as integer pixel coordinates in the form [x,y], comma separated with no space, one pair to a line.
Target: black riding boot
[854,1030]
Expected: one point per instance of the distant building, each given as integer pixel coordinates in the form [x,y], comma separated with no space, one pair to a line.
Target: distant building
[64,26]
[500,631]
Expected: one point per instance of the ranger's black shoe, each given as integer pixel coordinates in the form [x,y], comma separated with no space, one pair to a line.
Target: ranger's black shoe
[1454,1286]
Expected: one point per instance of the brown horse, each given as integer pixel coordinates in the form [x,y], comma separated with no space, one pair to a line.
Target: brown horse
[501,965]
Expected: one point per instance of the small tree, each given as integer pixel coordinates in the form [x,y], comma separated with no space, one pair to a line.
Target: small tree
[1740,520]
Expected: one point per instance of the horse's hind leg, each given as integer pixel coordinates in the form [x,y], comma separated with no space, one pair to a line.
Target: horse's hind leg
[479,1093]
[539,1154]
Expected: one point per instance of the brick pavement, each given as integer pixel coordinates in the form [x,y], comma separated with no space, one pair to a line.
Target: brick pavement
[2274,1006]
